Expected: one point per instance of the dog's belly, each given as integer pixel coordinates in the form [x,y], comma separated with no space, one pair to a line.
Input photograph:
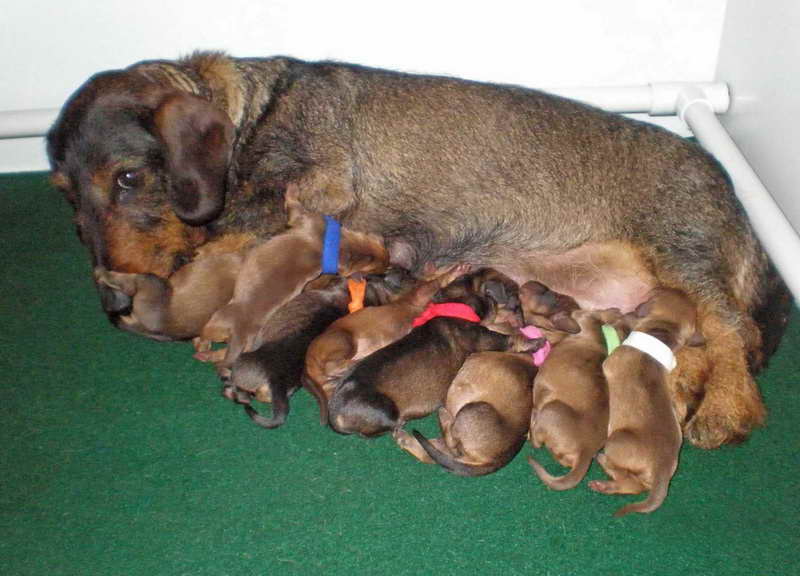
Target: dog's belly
[598,276]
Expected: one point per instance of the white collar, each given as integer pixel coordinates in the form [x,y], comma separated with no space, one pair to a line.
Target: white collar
[653,347]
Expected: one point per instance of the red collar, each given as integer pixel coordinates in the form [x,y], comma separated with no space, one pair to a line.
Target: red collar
[446,310]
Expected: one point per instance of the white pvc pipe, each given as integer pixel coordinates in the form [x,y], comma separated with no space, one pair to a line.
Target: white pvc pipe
[657,99]
[26,123]
[770,224]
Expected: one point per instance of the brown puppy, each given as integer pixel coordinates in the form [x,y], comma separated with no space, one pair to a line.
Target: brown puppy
[644,435]
[164,157]
[177,307]
[485,417]
[570,400]
[333,354]
[275,272]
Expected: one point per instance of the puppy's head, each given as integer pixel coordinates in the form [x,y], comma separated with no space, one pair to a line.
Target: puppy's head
[144,165]
[548,310]
[501,296]
[672,313]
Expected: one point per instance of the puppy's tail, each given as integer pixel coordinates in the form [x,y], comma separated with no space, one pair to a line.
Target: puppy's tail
[449,462]
[280,410]
[568,480]
[656,497]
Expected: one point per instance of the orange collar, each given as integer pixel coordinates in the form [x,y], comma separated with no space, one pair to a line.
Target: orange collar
[357,289]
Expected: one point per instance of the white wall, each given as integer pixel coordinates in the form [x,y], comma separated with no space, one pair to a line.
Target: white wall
[759,55]
[49,48]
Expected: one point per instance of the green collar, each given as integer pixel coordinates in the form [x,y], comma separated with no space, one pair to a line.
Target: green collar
[611,337]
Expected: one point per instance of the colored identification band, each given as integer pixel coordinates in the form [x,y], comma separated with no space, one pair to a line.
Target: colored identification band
[357,289]
[611,337]
[653,347]
[330,246]
[531,333]
[446,310]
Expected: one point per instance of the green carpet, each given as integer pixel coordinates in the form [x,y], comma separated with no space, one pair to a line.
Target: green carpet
[119,456]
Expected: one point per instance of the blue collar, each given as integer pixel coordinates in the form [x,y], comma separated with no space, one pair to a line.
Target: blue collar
[330,246]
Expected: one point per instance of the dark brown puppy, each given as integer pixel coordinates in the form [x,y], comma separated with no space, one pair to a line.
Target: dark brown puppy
[644,435]
[164,157]
[485,417]
[333,354]
[273,372]
[276,271]
[407,379]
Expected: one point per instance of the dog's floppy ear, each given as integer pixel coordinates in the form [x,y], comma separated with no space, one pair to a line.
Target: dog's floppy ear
[198,138]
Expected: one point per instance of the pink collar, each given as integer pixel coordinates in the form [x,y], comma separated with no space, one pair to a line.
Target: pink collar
[446,310]
[541,354]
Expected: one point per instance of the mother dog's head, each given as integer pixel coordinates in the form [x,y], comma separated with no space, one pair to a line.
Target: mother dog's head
[142,155]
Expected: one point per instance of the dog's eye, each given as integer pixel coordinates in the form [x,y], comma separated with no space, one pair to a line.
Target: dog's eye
[129,179]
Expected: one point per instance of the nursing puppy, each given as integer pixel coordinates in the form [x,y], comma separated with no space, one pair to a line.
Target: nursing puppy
[272,373]
[486,414]
[570,400]
[276,271]
[409,378]
[644,435]
[333,354]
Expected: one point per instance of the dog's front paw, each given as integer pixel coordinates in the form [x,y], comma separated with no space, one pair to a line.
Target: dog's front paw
[709,430]
[725,417]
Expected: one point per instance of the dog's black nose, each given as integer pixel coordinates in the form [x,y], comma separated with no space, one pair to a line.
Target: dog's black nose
[115,303]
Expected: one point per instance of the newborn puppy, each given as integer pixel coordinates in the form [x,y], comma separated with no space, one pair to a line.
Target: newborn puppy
[570,399]
[177,307]
[485,417]
[333,354]
[407,379]
[273,372]
[644,435]
[276,271]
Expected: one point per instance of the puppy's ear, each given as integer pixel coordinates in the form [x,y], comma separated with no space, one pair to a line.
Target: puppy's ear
[644,309]
[564,322]
[294,209]
[198,139]
[696,339]
[495,290]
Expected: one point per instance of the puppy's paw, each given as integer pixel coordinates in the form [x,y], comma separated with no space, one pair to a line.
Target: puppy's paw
[601,486]
[411,445]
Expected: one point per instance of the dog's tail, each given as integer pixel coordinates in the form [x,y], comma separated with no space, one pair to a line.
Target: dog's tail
[280,410]
[449,462]
[568,480]
[656,497]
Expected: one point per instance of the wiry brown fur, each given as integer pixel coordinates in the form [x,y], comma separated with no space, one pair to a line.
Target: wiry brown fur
[594,205]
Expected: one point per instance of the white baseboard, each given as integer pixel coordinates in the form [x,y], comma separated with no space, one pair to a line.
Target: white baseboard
[23,155]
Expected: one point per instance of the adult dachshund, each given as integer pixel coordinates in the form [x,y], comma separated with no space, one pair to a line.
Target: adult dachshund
[167,162]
